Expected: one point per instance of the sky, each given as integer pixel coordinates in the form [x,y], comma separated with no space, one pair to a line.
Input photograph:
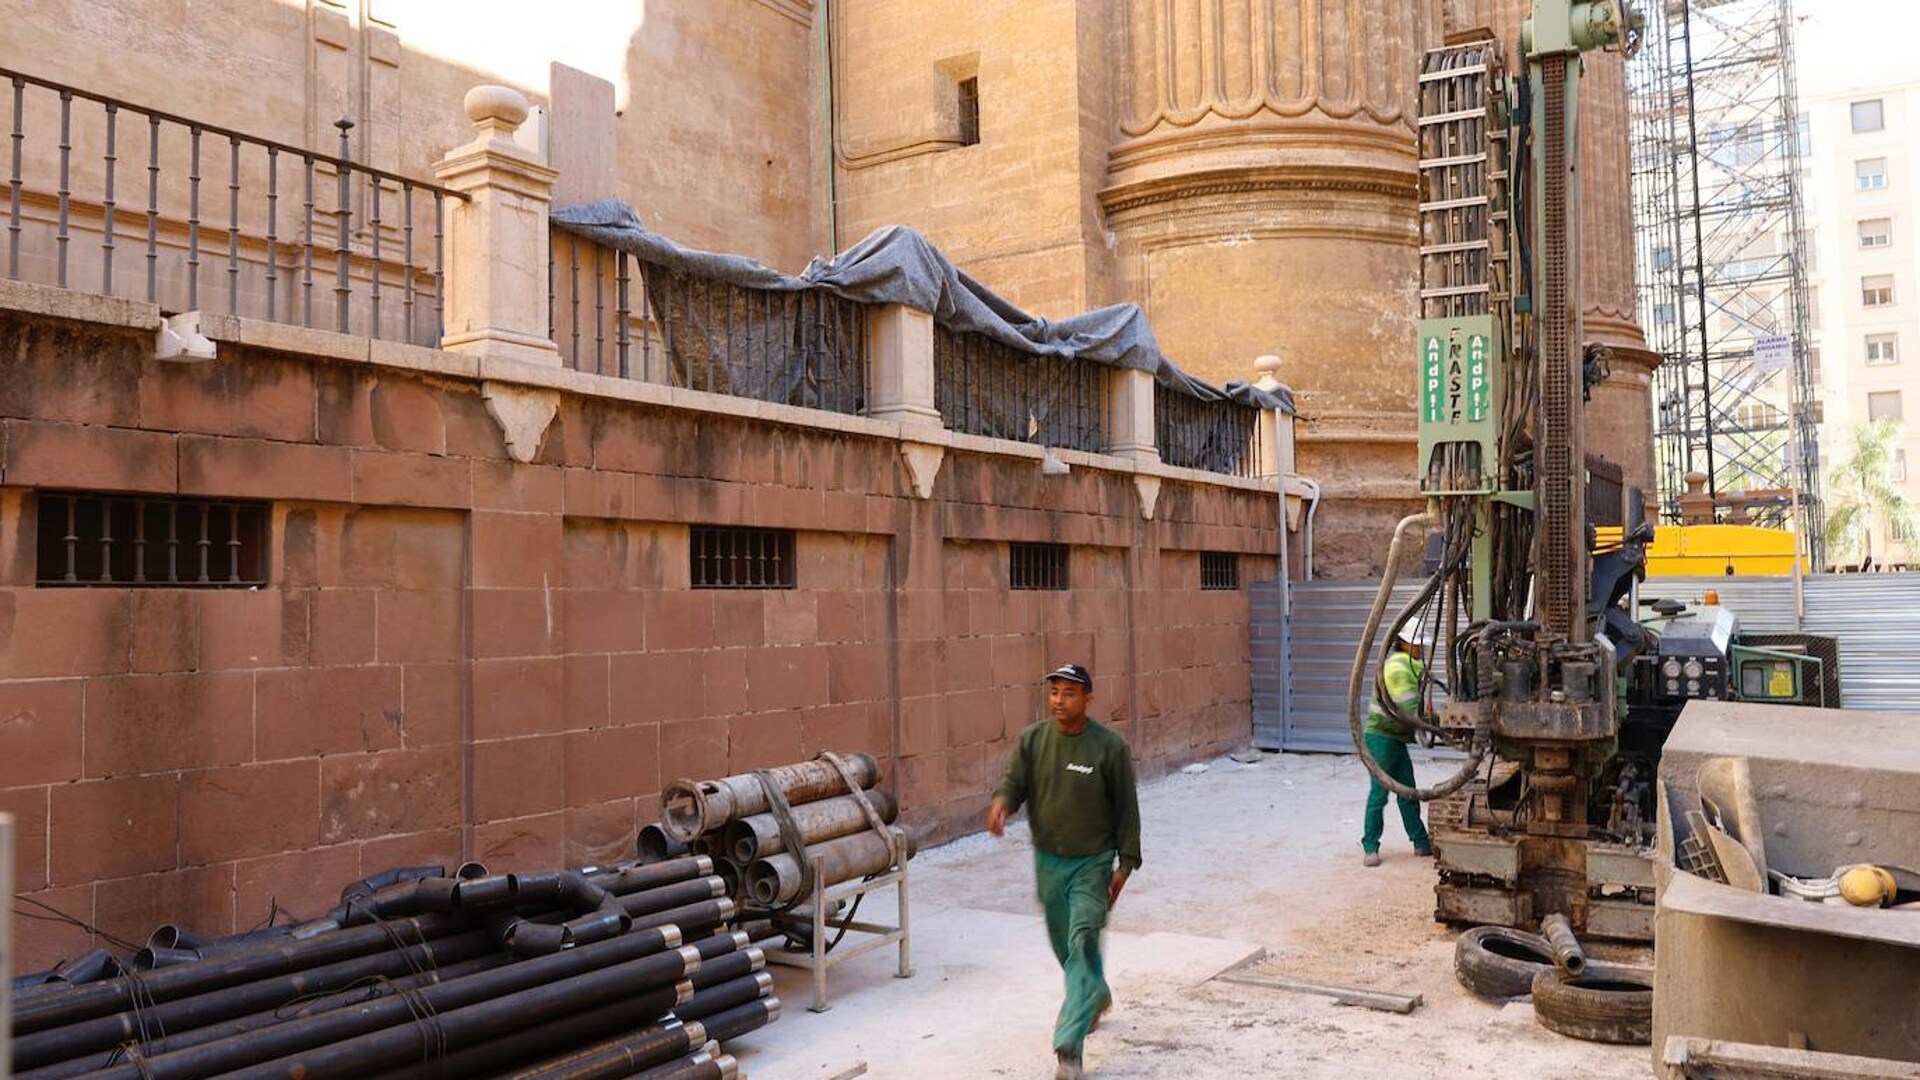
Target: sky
[1852,44]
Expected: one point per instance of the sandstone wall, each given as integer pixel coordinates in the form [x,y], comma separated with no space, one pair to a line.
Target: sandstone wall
[458,656]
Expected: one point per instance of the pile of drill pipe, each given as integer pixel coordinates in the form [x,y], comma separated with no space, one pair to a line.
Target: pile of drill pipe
[732,821]
[617,971]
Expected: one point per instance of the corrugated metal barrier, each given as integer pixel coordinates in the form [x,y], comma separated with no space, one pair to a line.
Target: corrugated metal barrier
[1875,616]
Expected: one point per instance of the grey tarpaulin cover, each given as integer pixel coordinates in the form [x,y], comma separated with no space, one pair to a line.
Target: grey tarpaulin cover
[896,265]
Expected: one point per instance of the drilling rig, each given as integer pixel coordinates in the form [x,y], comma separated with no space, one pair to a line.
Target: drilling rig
[1558,688]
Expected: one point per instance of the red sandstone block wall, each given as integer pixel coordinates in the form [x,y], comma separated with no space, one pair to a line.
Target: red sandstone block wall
[457,656]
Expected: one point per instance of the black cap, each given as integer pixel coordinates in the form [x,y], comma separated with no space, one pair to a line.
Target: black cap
[1073,673]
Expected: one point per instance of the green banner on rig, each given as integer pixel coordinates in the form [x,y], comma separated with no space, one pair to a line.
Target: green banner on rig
[1456,378]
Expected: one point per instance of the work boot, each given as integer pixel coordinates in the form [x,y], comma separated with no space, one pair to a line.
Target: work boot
[1425,851]
[1371,858]
[1068,1067]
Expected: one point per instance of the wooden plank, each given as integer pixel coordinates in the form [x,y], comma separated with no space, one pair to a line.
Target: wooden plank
[1345,995]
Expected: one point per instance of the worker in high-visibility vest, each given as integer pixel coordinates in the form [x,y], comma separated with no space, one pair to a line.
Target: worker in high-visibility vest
[1387,738]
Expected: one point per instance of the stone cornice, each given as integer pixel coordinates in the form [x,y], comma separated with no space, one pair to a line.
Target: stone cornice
[1123,197]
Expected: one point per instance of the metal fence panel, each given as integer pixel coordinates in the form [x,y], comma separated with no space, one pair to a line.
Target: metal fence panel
[1873,615]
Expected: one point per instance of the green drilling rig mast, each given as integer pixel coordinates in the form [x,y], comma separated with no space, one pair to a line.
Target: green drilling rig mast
[1552,671]
[1504,377]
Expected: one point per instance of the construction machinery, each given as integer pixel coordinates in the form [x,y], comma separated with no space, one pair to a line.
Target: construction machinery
[1549,674]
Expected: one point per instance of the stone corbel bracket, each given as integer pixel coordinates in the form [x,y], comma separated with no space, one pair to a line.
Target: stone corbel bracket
[523,414]
[923,465]
[1148,489]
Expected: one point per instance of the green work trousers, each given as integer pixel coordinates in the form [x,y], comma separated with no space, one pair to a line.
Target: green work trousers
[1073,890]
[1391,753]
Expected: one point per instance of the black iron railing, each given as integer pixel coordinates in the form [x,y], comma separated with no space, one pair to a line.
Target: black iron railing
[1217,436]
[984,387]
[371,238]
[612,314]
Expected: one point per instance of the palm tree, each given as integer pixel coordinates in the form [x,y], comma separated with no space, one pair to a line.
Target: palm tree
[1862,494]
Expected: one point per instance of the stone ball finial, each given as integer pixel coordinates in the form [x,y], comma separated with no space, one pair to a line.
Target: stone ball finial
[1269,362]
[496,106]
[1696,482]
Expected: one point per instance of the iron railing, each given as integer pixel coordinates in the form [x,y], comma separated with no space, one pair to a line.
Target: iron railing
[613,314]
[371,238]
[984,387]
[1215,436]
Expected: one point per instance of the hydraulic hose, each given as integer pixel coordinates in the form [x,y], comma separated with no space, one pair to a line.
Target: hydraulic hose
[1358,676]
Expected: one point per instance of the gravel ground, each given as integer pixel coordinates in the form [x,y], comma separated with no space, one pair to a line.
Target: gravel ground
[1238,858]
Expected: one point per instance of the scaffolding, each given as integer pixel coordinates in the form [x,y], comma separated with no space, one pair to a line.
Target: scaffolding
[1717,144]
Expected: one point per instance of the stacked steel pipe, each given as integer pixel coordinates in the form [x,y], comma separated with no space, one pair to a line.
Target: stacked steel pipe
[617,971]
[737,821]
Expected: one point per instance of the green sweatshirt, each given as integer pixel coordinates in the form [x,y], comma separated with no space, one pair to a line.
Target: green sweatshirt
[1078,790]
[1402,679]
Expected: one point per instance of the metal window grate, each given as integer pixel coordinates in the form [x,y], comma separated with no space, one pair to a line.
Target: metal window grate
[969,110]
[121,541]
[1219,570]
[1037,566]
[735,558]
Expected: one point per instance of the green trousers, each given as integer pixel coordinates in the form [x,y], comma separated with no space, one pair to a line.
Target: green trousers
[1073,890]
[1391,753]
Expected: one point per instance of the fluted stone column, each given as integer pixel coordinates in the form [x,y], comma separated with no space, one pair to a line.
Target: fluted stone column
[1261,196]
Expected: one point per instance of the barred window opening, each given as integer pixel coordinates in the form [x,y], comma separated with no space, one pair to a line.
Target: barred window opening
[724,557]
[1219,570]
[1037,566]
[98,539]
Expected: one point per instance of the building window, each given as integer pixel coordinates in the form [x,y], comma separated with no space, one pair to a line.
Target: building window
[1803,135]
[1663,315]
[1758,415]
[1884,405]
[735,558]
[1876,232]
[1883,349]
[1813,364]
[88,538]
[1899,466]
[1869,116]
[1037,566]
[1219,570]
[969,111]
[1876,290]
[1870,174]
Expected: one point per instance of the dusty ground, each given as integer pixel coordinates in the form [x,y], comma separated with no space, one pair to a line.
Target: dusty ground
[1238,859]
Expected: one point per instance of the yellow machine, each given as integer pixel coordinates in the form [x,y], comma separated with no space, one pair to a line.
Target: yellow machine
[1714,551]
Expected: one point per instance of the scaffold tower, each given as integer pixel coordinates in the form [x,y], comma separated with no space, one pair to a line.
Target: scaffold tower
[1717,144]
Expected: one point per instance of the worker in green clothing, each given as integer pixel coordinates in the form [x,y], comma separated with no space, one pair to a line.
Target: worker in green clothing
[1075,776]
[1387,738]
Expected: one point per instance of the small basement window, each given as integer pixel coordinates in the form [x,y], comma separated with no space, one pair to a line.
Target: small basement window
[1037,566]
[1219,570]
[735,558]
[98,539]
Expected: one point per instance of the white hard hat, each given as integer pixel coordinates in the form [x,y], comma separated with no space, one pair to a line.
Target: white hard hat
[1412,632]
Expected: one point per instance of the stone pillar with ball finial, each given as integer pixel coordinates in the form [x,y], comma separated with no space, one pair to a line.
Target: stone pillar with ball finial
[497,239]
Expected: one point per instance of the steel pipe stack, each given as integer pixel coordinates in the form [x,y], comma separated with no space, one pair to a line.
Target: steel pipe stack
[602,971]
[735,822]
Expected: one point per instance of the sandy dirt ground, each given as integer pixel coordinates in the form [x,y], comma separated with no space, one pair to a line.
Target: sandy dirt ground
[1253,864]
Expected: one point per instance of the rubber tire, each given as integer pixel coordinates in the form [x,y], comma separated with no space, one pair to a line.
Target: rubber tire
[1492,974]
[1578,1008]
